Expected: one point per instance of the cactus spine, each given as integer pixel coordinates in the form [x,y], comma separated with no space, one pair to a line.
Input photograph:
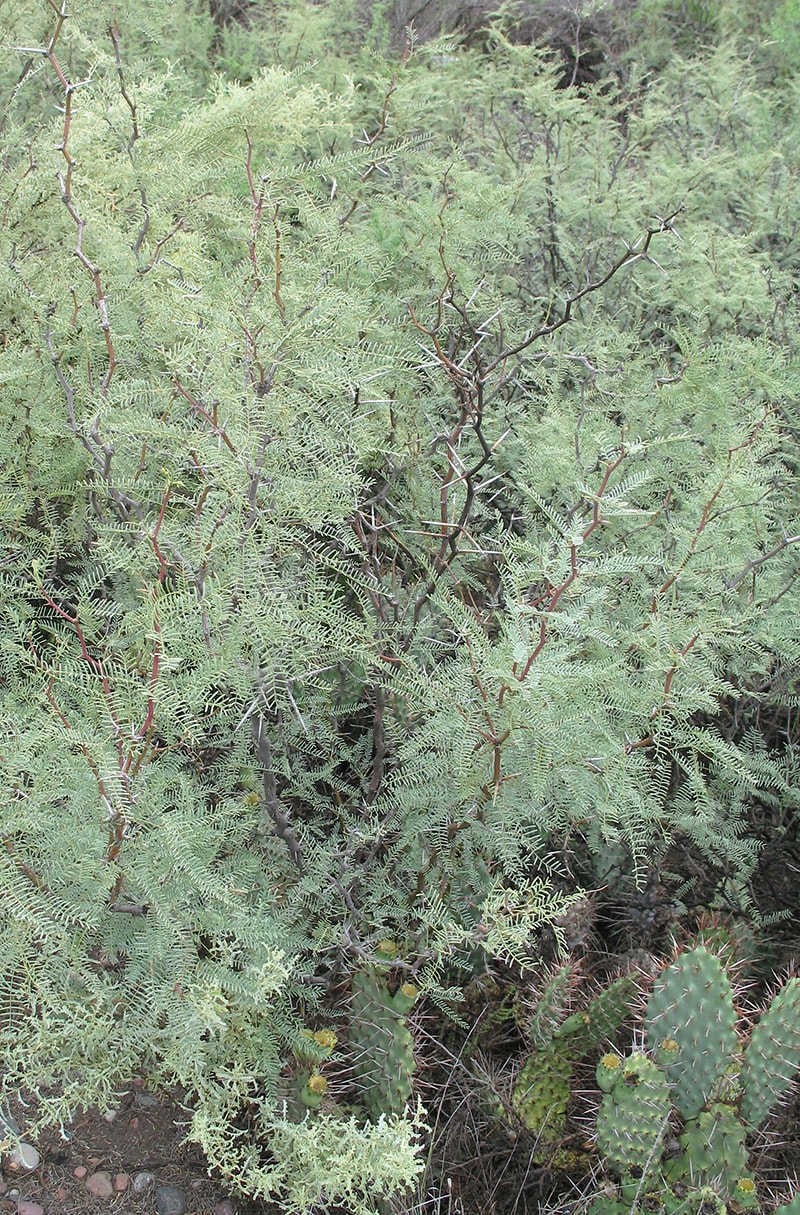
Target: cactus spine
[383,1060]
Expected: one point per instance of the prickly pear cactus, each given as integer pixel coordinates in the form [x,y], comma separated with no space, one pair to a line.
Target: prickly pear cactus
[602,1017]
[772,1056]
[731,940]
[634,1116]
[542,1093]
[790,1208]
[383,1060]
[691,1027]
[312,1048]
[712,1151]
[551,1002]
[603,1205]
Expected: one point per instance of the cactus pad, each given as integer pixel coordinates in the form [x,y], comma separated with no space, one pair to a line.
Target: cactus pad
[772,1056]
[691,1027]
[542,1093]
[551,1003]
[713,1151]
[633,1117]
[601,1019]
[383,1060]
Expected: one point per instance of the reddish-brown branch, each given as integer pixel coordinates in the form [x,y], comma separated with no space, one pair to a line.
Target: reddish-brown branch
[671,675]
[257,198]
[65,184]
[278,264]
[212,421]
[129,758]
[145,728]
[94,664]
[23,866]
[651,737]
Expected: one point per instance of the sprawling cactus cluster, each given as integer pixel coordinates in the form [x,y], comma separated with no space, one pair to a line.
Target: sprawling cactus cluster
[544,1085]
[672,1123]
[383,1048]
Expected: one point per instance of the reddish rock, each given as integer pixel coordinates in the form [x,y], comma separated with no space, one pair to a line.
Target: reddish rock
[24,1207]
[121,1182]
[100,1184]
[80,1172]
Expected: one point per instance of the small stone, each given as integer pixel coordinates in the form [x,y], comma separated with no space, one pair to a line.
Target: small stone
[170,1200]
[121,1183]
[23,1158]
[24,1207]
[142,1182]
[134,1123]
[80,1172]
[100,1184]
[61,1193]
[225,1207]
[145,1101]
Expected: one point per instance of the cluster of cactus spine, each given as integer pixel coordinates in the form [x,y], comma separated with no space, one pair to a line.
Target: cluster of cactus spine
[383,1049]
[701,1079]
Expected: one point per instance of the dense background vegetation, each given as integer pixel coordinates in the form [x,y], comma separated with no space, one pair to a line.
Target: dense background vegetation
[400,542]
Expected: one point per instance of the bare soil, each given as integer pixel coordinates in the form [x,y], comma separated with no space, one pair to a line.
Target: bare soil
[148,1135]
